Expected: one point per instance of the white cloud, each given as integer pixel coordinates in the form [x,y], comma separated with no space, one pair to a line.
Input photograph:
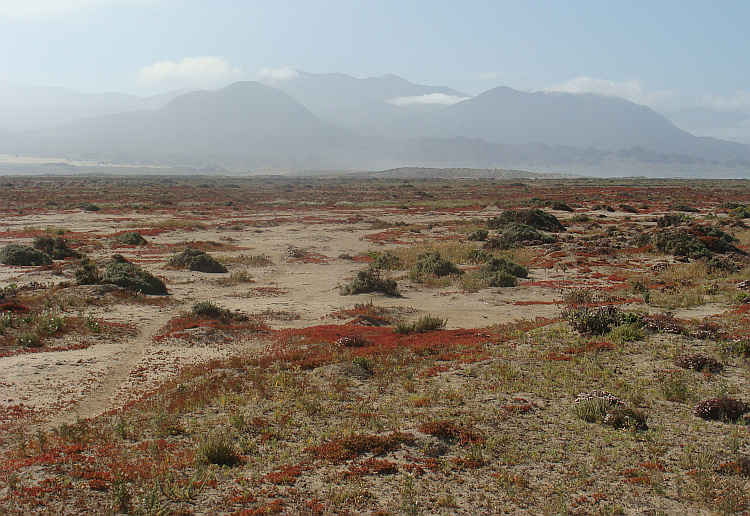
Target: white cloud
[50,8]
[488,76]
[273,75]
[428,98]
[202,71]
[738,101]
[632,90]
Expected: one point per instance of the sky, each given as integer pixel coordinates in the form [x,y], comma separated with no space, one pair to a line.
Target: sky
[666,54]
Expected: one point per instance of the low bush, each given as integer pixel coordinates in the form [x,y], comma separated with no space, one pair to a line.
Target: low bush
[721,409]
[128,275]
[422,325]
[593,406]
[672,219]
[218,448]
[196,260]
[678,242]
[593,320]
[625,418]
[698,362]
[533,217]
[432,264]
[209,310]
[130,238]
[480,235]
[495,265]
[14,254]
[387,261]
[56,247]
[371,280]
[87,272]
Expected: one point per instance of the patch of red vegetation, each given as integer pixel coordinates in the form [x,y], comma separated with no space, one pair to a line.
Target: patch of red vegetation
[464,434]
[590,346]
[434,371]
[285,475]
[45,349]
[309,257]
[12,306]
[265,292]
[371,466]
[556,357]
[347,448]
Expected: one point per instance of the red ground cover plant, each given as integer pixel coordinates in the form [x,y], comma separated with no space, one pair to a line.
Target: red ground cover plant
[463,434]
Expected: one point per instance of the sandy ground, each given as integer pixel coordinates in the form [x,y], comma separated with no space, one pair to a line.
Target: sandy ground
[66,385]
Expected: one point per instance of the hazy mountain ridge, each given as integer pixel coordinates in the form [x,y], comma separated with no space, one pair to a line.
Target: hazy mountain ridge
[249,125]
[36,107]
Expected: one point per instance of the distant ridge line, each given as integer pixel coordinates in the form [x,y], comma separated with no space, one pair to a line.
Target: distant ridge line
[459,173]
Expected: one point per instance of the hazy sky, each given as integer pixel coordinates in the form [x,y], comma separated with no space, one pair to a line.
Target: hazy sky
[662,53]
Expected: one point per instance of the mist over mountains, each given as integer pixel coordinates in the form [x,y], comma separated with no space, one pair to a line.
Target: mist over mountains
[337,122]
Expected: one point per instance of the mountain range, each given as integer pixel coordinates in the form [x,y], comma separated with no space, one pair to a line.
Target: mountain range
[335,122]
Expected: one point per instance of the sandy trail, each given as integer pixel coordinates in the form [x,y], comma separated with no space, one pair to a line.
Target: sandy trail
[100,399]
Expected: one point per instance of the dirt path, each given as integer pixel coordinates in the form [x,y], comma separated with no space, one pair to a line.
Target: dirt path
[99,399]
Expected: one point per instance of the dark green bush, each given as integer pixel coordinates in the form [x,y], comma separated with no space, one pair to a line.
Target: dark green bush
[14,254]
[432,264]
[533,217]
[387,261]
[593,320]
[87,272]
[672,219]
[560,205]
[130,238]
[480,235]
[371,280]
[125,274]
[56,247]
[196,260]
[209,310]
[678,242]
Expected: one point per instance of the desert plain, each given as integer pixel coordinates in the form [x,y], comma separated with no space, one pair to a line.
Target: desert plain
[374,345]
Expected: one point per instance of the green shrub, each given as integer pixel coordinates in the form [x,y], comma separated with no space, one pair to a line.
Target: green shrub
[533,217]
[56,247]
[196,260]
[130,238]
[593,320]
[480,235]
[125,274]
[626,418]
[387,261]
[218,448]
[672,219]
[14,254]
[593,406]
[29,339]
[432,264]
[371,280]
[495,265]
[209,310]
[421,325]
[678,242]
[87,272]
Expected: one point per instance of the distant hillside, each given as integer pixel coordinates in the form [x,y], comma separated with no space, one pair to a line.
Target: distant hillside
[246,123]
[332,92]
[35,107]
[249,126]
[510,117]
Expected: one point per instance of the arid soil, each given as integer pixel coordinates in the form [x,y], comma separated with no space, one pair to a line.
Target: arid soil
[111,410]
